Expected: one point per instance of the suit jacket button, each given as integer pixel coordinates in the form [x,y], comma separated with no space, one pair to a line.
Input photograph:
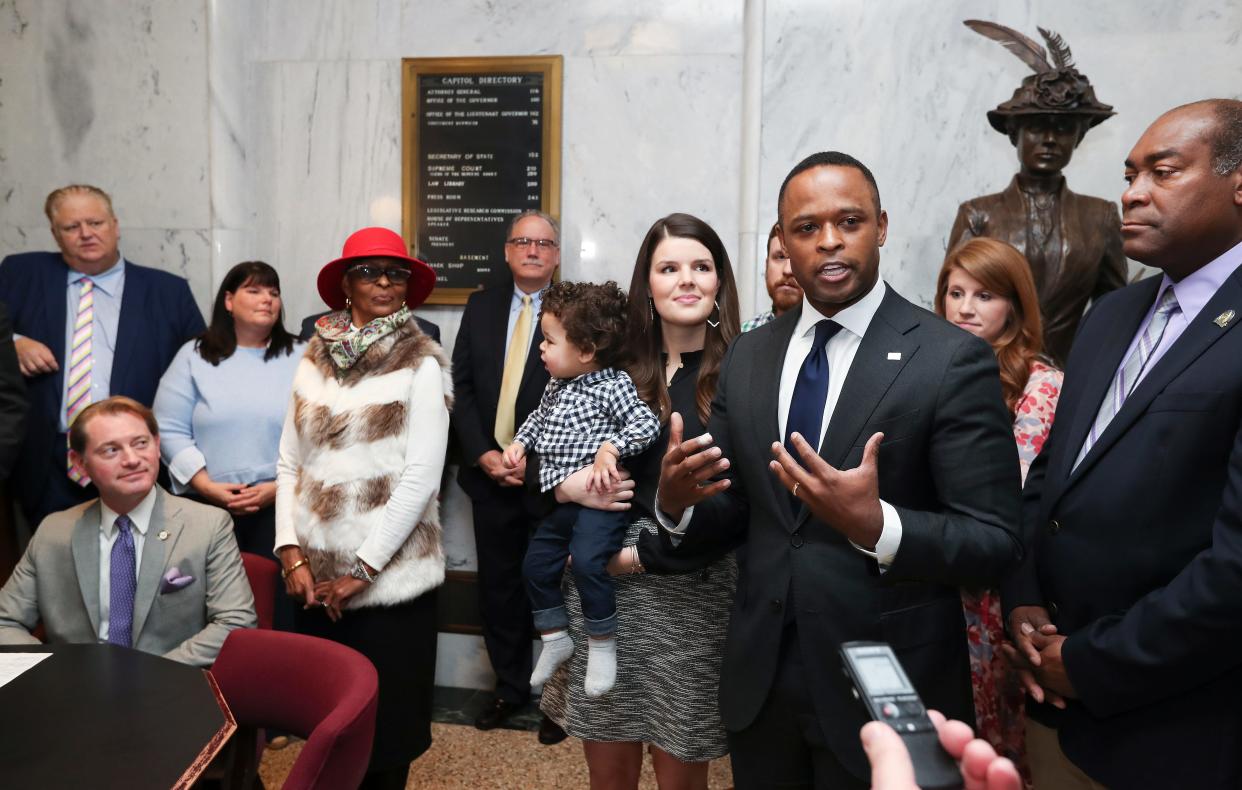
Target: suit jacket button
[1054,527]
[776,604]
[1052,608]
[795,540]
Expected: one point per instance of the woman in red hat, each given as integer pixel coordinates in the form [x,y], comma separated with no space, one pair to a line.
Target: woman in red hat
[361,455]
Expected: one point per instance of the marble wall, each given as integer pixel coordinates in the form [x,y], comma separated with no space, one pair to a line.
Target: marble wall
[650,103]
[115,95]
[234,129]
[906,91]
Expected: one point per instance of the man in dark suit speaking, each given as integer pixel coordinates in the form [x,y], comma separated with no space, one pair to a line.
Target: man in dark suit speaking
[87,324]
[1127,610]
[913,494]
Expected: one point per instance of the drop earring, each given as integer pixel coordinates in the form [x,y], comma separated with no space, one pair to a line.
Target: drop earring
[716,312]
[348,303]
[651,309]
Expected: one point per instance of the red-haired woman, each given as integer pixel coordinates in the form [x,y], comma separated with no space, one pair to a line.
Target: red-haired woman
[985,287]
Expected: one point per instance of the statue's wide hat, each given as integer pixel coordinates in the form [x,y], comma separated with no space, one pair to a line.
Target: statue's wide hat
[1056,87]
[1060,92]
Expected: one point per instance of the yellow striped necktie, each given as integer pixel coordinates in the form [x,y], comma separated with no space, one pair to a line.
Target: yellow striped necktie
[515,363]
[79,383]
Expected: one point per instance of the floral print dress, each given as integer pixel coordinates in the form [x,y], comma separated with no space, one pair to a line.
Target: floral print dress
[998,696]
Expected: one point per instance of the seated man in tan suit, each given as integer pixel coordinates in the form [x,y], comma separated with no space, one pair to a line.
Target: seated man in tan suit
[137,567]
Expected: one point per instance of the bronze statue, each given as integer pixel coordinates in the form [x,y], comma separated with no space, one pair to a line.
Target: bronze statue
[1073,242]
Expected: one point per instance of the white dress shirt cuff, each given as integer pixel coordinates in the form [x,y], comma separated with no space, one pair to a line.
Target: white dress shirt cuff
[676,531]
[890,538]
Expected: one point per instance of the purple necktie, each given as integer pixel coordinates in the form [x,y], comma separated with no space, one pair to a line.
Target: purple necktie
[122,585]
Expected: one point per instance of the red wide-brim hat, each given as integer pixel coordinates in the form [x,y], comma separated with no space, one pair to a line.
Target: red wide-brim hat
[375,243]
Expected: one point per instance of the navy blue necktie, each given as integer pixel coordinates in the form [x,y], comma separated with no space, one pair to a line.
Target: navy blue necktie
[121,585]
[806,408]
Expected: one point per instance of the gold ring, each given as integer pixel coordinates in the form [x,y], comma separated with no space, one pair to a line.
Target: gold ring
[795,489]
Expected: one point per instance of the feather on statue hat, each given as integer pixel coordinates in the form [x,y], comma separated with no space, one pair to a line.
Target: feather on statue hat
[1056,87]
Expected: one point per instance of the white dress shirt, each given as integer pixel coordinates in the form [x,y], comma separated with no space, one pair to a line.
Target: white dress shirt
[840,349]
[140,518]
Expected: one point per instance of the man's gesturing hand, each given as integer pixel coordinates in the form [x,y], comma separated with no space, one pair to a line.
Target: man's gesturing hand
[686,467]
[848,501]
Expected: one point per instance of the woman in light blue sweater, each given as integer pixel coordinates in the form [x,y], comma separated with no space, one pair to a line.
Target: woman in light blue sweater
[221,404]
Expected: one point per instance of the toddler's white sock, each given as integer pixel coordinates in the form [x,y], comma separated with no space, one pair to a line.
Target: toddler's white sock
[557,648]
[601,671]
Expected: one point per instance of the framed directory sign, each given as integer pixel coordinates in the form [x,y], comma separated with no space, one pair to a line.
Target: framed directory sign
[481,142]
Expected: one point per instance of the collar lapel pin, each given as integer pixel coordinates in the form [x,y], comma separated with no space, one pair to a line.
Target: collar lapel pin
[894,355]
[1224,318]
[163,534]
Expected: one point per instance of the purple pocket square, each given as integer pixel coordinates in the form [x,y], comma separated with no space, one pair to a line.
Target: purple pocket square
[173,581]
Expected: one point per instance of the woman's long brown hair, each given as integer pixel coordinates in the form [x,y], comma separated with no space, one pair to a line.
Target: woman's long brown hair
[644,335]
[1005,272]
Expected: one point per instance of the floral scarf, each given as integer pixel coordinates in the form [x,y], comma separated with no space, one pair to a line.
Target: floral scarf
[345,344]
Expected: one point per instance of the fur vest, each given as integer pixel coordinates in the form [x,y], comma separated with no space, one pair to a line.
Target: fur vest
[352,436]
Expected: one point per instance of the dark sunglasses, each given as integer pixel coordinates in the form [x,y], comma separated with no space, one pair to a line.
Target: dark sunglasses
[369,274]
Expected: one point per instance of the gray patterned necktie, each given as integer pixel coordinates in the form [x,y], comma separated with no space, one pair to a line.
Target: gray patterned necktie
[122,585]
[1132,370]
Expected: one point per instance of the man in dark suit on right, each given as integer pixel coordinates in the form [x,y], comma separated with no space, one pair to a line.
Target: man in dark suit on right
[913,493]
[1127,611]
[498,380]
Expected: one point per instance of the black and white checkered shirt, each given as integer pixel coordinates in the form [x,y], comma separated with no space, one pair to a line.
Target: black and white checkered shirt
[578,415]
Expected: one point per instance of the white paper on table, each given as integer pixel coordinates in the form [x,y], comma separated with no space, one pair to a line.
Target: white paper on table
[13,664]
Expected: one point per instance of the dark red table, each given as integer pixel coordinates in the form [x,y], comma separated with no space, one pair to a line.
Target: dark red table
[102,716]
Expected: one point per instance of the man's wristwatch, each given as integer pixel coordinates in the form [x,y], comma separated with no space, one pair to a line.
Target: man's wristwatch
[359,571]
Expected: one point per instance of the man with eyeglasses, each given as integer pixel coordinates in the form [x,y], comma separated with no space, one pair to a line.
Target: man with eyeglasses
[497,381]
[87,324]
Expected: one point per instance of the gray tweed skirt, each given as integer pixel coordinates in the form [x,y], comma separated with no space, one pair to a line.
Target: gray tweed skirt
[670,638]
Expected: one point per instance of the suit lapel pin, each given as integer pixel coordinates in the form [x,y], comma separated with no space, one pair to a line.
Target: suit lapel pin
[1224,318]
[163,534]
[894,355]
